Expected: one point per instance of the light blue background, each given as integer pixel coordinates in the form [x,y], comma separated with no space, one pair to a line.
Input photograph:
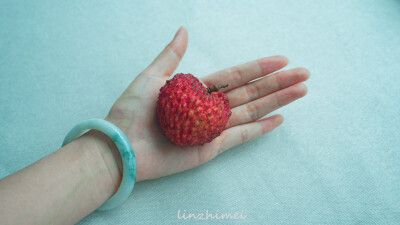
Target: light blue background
[335,160]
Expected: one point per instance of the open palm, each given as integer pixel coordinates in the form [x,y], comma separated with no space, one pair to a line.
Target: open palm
[135,111]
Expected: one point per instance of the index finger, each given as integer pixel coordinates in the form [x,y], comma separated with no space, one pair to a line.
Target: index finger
[237,76]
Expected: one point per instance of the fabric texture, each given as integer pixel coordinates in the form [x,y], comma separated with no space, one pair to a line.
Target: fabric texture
[334,160]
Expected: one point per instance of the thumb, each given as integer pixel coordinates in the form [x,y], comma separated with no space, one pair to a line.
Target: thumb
[167,61]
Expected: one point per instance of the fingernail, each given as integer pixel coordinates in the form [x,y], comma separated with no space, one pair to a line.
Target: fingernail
[178,34]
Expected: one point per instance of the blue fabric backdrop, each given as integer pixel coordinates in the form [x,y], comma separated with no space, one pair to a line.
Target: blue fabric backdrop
[335,160]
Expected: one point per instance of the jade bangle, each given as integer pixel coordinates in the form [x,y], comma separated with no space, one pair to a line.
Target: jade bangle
[124,148]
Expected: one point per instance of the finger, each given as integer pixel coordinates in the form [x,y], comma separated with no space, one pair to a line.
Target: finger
[165,63]
[237,76]
[254,110]
[266,85]
[242,133]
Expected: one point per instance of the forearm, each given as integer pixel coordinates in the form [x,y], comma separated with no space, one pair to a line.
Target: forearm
[65,186]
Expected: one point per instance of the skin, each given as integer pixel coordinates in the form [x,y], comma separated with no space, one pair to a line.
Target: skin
[64,187]
[135,111]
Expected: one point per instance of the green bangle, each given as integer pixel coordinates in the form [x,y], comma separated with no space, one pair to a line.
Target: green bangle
[124,148]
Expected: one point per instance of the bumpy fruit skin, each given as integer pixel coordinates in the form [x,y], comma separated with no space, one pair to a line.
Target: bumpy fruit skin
[188,114]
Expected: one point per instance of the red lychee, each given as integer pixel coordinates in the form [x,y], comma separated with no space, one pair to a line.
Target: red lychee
[189,113]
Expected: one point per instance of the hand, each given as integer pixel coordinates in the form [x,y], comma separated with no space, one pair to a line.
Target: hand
[135,111]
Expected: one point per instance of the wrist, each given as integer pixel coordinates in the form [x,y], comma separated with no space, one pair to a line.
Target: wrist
[105,159]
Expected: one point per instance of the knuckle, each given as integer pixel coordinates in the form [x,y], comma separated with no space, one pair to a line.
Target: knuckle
[173,52]
[252,112]
[278,100]
[253,91]
[219,151]
[229,123]
[236,74]
[244,135]
[248,92]
[257,90]
[278,80]
[219,146]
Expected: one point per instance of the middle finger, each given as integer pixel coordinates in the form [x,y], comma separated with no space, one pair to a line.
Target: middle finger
[256,109]
[266,85]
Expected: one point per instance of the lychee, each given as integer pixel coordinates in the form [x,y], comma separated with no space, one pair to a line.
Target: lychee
[189,113]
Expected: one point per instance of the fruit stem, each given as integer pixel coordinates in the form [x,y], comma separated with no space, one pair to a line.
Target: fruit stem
[214,88]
